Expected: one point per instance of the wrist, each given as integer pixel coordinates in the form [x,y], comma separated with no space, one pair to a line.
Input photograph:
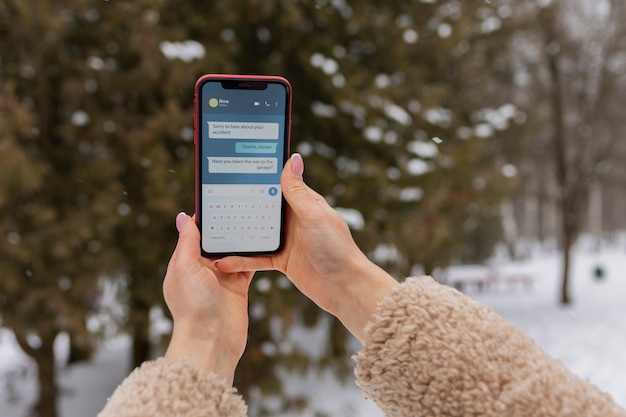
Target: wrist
[206,354]
[359,294]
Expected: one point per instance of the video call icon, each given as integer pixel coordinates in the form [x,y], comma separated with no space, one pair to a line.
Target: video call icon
[266,103]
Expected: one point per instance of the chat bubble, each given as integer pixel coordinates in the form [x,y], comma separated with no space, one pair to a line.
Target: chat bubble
[242,165]
[254,147]
[243,130]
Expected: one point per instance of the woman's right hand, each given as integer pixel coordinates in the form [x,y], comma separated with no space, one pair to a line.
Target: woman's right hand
[320,257]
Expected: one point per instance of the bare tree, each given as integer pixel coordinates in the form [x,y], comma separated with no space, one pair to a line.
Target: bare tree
[581,39]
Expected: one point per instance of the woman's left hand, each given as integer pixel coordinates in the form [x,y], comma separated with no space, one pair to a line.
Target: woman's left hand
[209,307]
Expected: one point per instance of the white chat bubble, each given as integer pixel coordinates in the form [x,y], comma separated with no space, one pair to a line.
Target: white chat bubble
[242,165]
[243,130]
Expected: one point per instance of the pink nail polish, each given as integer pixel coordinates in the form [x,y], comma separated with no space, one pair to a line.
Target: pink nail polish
[297,164]
[181,220]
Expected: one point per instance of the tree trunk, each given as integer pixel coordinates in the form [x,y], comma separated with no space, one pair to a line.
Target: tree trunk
[596,220]
[140,322]
[567,242]
[509,227]
[80,349]
[48,389]
[567,192]
[542,206]
[46,371]
[428,267]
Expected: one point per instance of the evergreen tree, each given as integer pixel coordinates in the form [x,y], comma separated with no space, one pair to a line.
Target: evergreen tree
[382,113]
[374,83]
[56,190]
[143,104]
[109,138]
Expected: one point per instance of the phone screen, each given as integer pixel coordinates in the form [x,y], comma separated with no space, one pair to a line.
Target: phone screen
[242,143]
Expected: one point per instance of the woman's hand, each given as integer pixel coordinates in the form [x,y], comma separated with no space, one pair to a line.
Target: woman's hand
[209,307]
[320,257]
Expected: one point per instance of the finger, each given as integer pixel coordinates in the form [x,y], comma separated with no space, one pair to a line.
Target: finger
[299,196]
[188,246]
[234,264]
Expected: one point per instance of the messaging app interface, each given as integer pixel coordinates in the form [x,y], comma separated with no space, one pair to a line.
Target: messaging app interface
[242,151]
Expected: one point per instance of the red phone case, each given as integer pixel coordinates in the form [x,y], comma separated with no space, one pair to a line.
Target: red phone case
[196,118]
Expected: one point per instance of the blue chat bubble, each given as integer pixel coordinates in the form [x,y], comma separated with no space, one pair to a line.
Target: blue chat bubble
[255,147]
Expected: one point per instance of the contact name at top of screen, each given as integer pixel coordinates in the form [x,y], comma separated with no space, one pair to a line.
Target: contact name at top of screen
[270,100]
[267,105]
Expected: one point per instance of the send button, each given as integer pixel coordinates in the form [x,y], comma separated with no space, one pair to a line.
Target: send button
[255,147]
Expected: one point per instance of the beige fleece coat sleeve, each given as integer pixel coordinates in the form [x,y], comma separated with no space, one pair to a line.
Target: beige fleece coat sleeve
[173,389]
[431,351]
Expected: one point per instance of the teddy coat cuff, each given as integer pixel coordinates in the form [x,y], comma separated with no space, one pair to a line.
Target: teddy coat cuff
[431,351]
[166,389]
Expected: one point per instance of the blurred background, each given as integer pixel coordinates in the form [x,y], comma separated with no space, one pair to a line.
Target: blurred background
[479,141]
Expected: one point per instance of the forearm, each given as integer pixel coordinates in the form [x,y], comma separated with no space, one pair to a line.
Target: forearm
[429,350]
[208,354]
[358,294]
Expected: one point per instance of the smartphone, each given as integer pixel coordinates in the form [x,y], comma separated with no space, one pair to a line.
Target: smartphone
[242,128]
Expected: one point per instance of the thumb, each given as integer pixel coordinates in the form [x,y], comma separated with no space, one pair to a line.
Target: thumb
[188,246]
[299,196]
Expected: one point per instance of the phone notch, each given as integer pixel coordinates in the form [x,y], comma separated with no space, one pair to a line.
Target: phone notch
[244,85]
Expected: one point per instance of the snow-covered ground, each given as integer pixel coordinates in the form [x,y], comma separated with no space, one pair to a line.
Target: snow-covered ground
[588,337]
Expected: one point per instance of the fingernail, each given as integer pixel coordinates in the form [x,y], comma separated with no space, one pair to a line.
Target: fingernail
[181,221]
[297,164]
